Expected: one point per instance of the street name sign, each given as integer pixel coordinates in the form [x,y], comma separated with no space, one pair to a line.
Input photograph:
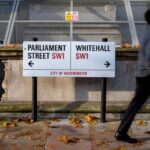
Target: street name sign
[68,59]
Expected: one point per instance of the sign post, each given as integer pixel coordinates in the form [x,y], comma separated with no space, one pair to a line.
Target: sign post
[69,59]
[34,99]
[34,93]
[103,100]
[103,94]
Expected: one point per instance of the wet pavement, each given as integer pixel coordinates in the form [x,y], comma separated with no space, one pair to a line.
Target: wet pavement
[61,134]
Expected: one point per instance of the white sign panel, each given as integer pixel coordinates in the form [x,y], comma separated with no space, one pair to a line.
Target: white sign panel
[69,59]
[97,58]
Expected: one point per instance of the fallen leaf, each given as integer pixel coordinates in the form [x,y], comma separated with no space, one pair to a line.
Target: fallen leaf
[75,120]
[77,125]
[101,142]
[141,123]
[17,120]
[123,147]
[7,124]
[25,133]
[48,133]
[51,146]
[126,45]
[60,138]
[93,122]
[26,120]
[40,145]
[88,118]
[11,125]
[3,123]
[12,46]
[54,126]
[67,140]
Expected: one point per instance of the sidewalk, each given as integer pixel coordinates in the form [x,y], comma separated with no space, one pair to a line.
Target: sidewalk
[61,135]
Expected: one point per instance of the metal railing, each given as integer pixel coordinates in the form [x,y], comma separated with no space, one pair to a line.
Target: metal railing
[19,20]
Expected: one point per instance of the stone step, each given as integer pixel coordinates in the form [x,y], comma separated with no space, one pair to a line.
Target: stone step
[63,29]
[68,107]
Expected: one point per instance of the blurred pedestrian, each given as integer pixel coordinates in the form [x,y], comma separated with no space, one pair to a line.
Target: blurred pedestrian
[2,74]
[142,91]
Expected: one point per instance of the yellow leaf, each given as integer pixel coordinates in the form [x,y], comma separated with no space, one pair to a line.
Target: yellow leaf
[88,118]
[141,123]
[7,124]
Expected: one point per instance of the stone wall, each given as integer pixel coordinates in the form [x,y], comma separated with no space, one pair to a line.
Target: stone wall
[19,88]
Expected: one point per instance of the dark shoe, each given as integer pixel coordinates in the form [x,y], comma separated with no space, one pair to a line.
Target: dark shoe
[125,138]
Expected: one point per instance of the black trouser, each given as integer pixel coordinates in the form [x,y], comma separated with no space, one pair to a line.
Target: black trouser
[141,94]
[2,75]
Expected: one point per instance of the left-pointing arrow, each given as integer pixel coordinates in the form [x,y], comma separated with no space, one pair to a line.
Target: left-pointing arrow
[30,63]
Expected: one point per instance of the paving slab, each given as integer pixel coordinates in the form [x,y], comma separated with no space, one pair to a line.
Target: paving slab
[45,135]
[24,136]
[103,138]
[53,144]
[64,127]
[140,129]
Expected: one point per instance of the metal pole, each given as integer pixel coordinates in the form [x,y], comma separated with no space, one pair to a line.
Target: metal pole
[103,100]
[71,22]
[13,22]
[9,23]
[103,94]
[34,99]
[34,95]
[132,26]
[71,30]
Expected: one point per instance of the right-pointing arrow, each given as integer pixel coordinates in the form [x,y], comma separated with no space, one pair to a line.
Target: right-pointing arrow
[107,64]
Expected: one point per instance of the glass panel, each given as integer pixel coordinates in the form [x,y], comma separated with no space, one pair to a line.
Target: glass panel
[5,9]
[100,19]
[139,9]
[43,10]
[42,31]
[2,32]
[44,20]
